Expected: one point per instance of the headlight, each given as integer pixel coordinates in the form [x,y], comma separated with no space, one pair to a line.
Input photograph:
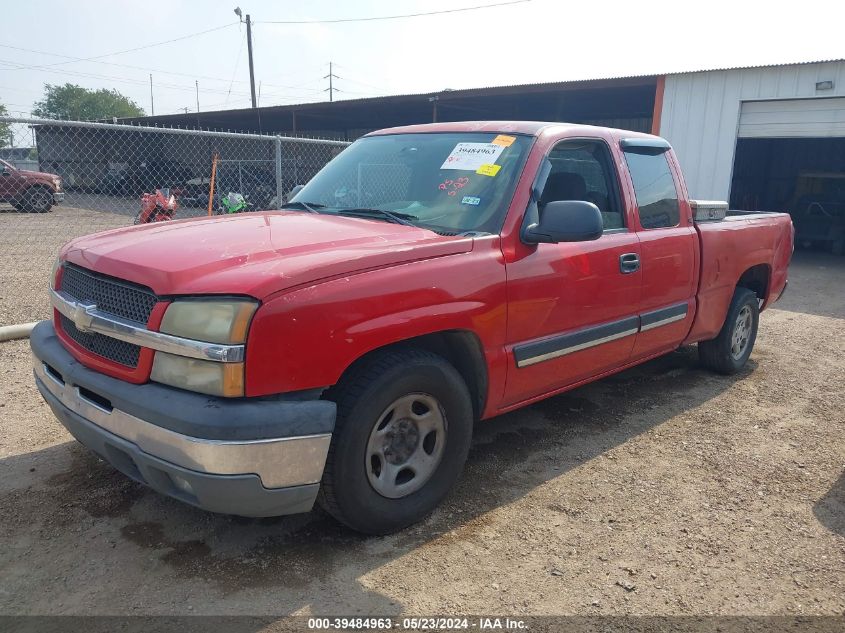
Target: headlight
[224,321]
[202,376]
[212,321]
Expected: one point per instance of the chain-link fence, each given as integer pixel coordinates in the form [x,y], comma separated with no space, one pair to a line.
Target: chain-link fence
[63,179]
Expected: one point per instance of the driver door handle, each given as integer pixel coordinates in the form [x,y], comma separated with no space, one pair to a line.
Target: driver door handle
[629,263]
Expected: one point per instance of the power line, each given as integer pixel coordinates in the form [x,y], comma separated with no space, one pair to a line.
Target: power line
[46,68]
[155,70]
[394,17]
[94,61]
[129,50]
[235,69]
[137,82]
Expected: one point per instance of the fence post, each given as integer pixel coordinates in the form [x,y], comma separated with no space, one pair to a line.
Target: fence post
[279,187]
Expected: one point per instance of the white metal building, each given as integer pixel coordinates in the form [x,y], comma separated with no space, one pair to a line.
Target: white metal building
[707,115]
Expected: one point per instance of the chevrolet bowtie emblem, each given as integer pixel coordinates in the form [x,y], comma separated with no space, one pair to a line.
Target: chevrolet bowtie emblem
[83,316]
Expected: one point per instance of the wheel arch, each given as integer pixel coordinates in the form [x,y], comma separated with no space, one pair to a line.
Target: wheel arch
[461,348]
[37,185]
[757,278]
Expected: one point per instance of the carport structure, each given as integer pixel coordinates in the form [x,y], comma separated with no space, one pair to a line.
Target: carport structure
[627,102]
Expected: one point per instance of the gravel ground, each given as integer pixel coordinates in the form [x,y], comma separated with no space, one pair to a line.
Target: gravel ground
[31,242]
[663,490]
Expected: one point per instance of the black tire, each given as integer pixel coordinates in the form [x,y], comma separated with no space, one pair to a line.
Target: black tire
[719,354]
[38,200]
[363,397]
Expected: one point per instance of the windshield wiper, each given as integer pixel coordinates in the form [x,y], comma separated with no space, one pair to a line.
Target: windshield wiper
[391,216]
[303,206]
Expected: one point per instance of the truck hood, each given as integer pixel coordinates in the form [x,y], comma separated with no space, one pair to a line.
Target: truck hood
[37,175]
[255,254]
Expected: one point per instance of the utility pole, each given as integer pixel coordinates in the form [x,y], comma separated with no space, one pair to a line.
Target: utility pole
[197,82]
[331,88]
[249,53]
[152,103]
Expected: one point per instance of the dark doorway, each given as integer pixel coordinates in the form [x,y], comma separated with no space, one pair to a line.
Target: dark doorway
[802,176]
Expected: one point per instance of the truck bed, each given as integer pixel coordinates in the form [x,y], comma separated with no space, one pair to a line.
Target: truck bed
[753,245]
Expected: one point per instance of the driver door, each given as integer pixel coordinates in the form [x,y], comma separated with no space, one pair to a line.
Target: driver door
[572,307]
[8,181]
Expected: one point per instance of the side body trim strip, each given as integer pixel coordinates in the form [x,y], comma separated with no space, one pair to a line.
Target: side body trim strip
[663,316]
[562,344]
[527,354]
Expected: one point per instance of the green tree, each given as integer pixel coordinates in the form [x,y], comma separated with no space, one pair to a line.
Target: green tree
[75,102]
[4,128]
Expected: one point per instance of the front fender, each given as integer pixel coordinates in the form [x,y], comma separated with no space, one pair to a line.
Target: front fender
[308,337]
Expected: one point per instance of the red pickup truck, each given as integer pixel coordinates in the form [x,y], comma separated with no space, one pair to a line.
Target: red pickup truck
[34,191]
[429,276]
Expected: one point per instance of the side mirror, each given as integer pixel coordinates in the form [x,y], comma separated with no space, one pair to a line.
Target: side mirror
[566,221]
[5,171]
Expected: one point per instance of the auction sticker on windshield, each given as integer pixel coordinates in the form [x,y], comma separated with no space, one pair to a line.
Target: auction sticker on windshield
[471,156]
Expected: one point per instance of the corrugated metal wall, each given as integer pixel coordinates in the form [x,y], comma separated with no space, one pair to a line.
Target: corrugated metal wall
[700,115]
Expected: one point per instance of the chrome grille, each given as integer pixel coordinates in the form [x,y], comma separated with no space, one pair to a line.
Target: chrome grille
[115,297]
[105,346]
[112,296]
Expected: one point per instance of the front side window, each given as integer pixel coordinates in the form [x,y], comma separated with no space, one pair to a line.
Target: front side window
[448,182]
[654,188]
[581,170]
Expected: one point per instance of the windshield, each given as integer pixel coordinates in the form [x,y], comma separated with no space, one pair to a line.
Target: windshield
[453,183]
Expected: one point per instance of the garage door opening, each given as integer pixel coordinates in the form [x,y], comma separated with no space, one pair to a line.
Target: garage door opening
[804,177]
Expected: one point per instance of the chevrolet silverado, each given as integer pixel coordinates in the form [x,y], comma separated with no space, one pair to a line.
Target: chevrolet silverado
[340,350]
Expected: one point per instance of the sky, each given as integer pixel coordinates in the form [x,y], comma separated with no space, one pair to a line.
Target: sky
[529,41]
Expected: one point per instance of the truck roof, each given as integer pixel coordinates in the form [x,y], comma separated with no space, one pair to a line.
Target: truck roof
[532,128]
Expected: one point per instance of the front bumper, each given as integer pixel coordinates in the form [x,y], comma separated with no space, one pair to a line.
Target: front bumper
[250,457]
[58,197]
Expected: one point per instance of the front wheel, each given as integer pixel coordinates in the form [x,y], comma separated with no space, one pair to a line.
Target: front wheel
[403,430]
[38,200]
[728,352]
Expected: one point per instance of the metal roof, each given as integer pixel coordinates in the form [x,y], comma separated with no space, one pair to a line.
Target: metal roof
[572,84]
[611,82]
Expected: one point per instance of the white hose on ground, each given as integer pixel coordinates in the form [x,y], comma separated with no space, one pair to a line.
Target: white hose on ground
[12,332]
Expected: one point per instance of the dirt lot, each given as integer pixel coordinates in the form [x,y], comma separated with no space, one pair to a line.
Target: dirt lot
[663,490]
[31,242]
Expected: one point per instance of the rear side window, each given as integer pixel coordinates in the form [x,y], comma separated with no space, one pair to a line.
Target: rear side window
[654,187]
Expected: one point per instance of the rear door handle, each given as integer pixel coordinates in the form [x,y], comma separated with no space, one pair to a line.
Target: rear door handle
[629,263]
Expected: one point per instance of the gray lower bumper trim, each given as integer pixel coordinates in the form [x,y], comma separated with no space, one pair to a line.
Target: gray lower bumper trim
[186,413]
[242,495]
[289,461]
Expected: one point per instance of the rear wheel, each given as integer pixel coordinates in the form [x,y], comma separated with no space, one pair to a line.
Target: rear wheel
[728,352]
[38,200]
[403,430]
